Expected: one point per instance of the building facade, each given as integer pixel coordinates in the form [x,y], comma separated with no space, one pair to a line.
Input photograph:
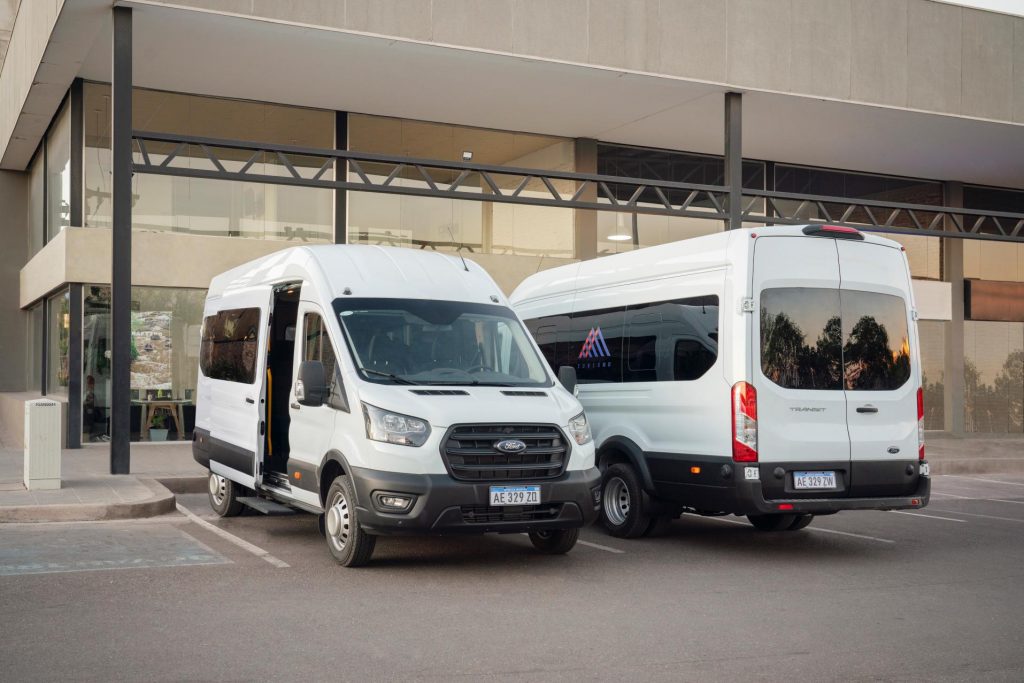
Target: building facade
[524,134]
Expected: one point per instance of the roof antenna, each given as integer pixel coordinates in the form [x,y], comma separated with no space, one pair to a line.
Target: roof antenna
[459,250]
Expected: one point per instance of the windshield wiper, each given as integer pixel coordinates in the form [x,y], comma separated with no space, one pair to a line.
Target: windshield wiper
[471,383]
[398,379]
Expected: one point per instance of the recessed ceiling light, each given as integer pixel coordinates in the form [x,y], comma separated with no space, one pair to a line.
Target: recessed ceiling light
[620,238]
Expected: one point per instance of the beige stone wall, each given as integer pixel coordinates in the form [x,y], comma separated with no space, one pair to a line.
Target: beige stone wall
[917,54]
[166,259]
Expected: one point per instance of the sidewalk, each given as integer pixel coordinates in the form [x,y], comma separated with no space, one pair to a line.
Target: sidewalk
[89,493]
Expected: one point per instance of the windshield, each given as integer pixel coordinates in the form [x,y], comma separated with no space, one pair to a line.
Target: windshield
[416,341]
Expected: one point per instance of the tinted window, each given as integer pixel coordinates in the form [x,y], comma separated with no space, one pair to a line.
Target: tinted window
[876,345]
[671,340]
[661,341]
[834,339]
[801,338]
[230,345]
[317,346]
[595,345]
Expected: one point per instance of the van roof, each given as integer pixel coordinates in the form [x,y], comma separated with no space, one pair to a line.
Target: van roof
[368,271]
[706,252]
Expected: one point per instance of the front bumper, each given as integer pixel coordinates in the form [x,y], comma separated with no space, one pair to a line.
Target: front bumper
[446,506]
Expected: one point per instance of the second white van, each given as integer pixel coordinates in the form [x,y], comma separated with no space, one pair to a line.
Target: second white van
[389,391]
[772,373]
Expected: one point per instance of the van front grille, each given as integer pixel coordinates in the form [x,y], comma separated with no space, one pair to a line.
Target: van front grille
[470,452]
[486,514]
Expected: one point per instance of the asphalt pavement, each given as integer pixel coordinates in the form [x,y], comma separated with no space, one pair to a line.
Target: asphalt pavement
[934,594]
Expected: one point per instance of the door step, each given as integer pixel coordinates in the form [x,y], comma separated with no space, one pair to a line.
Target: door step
[267,507]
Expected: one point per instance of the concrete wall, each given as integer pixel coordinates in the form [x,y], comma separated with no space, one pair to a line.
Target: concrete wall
[13,222]
[918,54]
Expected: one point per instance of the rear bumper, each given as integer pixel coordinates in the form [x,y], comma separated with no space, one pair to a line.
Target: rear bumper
[721,485]
[445,506]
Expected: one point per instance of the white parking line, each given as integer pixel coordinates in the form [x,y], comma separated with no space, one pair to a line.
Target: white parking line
[817,528]
[951,495]
[602,547]
[990,481]
[240,542]
[975,514]
[918,514]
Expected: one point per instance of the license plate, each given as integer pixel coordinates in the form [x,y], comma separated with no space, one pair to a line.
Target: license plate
[515,495]
[814,480]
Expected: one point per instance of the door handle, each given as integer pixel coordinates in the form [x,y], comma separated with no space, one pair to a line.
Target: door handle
[867,409]
[250,400]
[294,405]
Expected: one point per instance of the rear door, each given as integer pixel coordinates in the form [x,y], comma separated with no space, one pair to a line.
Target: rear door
[233,354]
[797,365]
[879,369]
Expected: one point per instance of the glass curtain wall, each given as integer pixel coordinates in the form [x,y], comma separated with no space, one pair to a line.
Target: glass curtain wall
[213,207]
[986,260]
[36,319]
[58,173]
[993,377]
[36,199]
[933,367]
[166,324]
[618,232]
[923,253]
[58,337]
[452,224]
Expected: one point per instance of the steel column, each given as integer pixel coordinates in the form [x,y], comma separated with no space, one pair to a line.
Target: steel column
[340,172]
[953,383]
[74,436]
[585,221]
[77,150]
[734,158]
[121,265]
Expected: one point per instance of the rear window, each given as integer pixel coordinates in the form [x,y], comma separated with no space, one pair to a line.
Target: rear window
[830,339]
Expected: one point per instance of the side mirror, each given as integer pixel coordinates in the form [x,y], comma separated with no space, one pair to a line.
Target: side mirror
[311,386]
[567,376]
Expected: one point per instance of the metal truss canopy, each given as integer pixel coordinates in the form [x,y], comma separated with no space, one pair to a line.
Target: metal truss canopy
[221,159]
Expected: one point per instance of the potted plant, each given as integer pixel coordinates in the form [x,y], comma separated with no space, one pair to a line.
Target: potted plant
[158,427]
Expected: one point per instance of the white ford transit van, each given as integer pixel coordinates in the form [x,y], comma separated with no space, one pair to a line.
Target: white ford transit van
[390,391]
[772,373]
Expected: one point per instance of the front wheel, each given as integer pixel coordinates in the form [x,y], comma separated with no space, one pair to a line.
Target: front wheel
[224,494]
[622,502]
[348,543]
[554,542]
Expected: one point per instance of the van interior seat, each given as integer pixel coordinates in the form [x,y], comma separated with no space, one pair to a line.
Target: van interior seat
[387,354]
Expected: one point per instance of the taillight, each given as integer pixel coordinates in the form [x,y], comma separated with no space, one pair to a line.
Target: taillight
[920,423]
[744,423]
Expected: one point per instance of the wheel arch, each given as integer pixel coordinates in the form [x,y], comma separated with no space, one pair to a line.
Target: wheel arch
[619,449]
[333,465]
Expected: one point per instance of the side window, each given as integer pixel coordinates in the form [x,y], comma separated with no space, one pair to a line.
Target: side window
[316,345]
[671,340]
[552,334]
[596,345]
[230,342]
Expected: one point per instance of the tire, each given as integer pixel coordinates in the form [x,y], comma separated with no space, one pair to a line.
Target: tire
[622,502]
[659,526]
[557,542]
[771,522]
[223,494]
[800,522]
[346,540]
[321,525]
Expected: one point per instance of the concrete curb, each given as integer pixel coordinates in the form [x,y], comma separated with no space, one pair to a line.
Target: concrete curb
[185,484]
[161,501]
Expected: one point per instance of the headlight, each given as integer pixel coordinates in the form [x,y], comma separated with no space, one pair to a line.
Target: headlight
[394,427]
[580,430]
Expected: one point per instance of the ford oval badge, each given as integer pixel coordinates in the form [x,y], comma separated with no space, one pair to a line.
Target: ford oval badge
[510,446]
[893,450]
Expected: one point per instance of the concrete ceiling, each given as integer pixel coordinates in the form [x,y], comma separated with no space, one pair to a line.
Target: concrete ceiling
[203,53]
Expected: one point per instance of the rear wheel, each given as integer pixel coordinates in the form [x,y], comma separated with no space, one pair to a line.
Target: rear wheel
[622,502]
[348,543]
[557,542]
[771,522]
[223,494]
[800,522]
